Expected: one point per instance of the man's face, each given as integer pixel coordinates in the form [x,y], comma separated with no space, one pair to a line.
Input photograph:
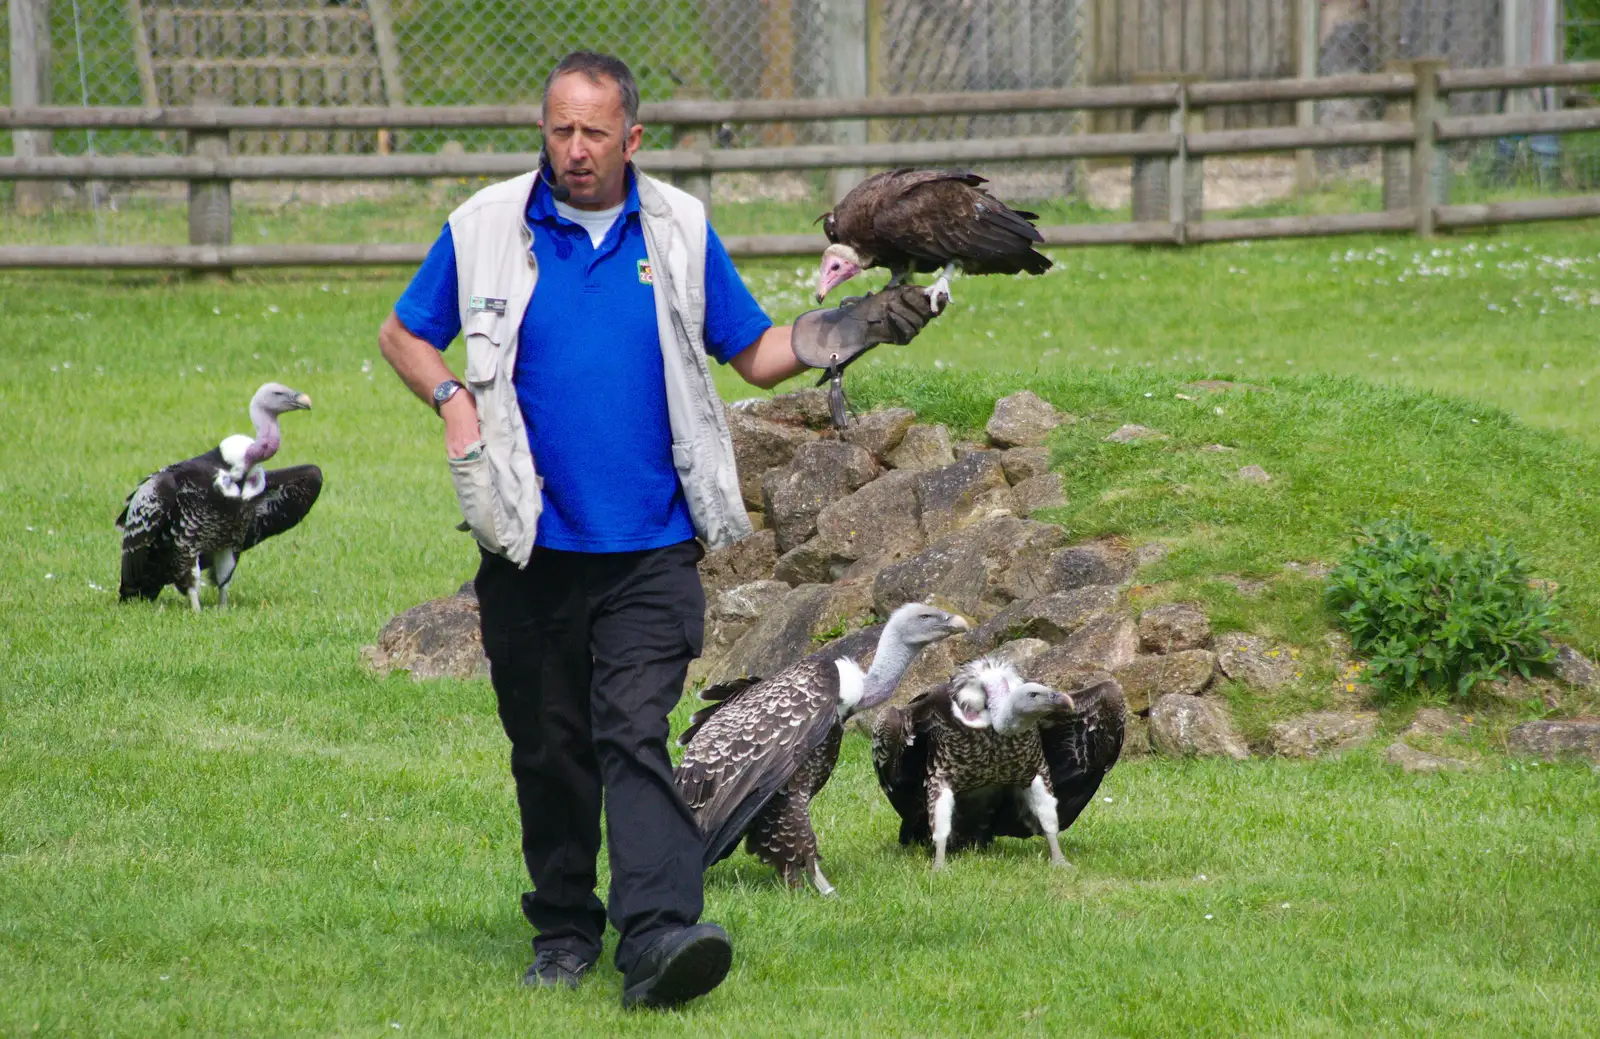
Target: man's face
[589,143]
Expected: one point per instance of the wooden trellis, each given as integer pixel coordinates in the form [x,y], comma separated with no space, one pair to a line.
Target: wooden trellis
[275,53]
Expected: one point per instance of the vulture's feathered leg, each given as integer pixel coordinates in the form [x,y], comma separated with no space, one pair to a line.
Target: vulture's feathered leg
[898,278]
[939,291]
[194,586]
[941,808]
[1043,805]
[222,568]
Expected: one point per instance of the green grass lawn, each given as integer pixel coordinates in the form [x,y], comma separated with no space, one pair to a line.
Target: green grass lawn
[225,824]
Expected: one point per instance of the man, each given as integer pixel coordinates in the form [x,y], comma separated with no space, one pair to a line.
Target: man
[590,295]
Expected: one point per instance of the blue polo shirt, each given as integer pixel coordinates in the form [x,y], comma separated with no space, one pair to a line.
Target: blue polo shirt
[589,375]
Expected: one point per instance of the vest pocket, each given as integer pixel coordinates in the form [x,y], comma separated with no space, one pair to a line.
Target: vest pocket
[483,335]
[475,494]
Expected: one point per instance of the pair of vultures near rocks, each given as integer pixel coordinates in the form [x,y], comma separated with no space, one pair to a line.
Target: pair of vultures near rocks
[984,755]
[204,513]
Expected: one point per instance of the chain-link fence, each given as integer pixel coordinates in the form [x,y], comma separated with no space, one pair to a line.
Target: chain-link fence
[433,52]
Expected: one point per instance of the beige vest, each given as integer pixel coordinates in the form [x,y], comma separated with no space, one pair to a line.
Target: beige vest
[496,273]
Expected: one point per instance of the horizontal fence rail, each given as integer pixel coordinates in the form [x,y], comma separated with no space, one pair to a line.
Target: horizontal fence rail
[1167,150]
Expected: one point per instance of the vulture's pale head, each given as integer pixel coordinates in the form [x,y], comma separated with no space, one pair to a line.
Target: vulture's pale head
[840,263]
[977,685]
[275,398]
[918,624]
[1026,706]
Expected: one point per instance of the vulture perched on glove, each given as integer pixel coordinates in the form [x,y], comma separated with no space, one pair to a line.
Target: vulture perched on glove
[203,513]
[756,757]
[989,755]
[916,221]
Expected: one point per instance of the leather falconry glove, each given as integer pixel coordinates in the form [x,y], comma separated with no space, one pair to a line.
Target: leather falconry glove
[832,338]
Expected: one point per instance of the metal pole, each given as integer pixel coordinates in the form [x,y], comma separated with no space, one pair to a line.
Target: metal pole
[847,77]
[30,34]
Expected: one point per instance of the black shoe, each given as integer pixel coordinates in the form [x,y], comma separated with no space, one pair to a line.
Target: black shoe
[555,967]
[678,967]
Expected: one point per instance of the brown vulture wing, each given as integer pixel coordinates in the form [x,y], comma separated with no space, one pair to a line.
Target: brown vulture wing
[937,217]
[751,745]
[1081,745]
[902,738]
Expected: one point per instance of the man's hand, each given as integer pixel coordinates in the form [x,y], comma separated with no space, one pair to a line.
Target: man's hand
[460,414]
[894,315]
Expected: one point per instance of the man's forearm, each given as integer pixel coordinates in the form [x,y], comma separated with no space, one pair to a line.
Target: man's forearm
[770,360]
[413,359]
[419,366]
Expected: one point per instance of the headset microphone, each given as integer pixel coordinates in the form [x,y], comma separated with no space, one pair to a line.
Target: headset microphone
[559,192]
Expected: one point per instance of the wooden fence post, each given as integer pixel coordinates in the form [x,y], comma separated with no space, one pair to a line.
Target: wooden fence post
[1308,30]
[1152,174]
[1194,169]
[30,41]
[210,201]
[847,28]
[697,138]
[1397,157]
[1426,186]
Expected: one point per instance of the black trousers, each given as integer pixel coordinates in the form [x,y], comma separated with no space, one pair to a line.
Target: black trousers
[588,655]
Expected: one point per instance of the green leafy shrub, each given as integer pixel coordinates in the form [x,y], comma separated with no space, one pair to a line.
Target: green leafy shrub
[1431,619]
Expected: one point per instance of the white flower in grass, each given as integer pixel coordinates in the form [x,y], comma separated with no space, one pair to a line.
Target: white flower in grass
[272,308]
[937,363]
[217,311]
[49,577]
[200,368]
[1149,395]
[1200,876]
[1284,906]
[1208,916]
[1107,800]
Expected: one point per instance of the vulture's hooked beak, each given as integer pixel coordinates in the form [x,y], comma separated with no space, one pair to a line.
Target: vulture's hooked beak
[958,623]
[302,402]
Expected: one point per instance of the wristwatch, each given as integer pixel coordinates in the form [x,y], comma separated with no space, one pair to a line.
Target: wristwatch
[444,391]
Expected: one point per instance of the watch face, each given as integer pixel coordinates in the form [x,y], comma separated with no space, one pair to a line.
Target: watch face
[442,392]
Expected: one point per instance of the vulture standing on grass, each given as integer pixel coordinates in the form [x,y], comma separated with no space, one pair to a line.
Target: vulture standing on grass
[757,756]
[989,755]
[916,221]
[201,514]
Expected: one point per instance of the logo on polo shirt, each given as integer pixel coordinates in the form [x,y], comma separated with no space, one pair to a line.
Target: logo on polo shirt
[489,303]
[646,277]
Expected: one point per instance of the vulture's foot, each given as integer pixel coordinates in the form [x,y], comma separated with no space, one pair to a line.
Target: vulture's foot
[194,597]
[938,293]
[824,888]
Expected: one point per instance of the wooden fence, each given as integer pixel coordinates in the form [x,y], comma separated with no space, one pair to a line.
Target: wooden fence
[1168,147]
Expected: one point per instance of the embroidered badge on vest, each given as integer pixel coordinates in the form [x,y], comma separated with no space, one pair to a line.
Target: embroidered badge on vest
[489,303]
[646,277]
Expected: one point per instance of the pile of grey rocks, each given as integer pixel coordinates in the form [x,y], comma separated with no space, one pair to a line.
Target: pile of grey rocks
[851,525]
